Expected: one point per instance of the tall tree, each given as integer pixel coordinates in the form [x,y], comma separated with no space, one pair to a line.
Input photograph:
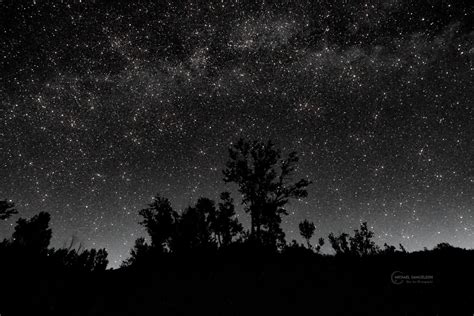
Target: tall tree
[7,209]
[265,182]
[226,226]
[159,220]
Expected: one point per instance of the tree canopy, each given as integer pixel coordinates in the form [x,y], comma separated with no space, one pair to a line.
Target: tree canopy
[7,209]
[307,229]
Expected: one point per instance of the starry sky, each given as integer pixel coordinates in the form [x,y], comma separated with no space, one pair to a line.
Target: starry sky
[103,105]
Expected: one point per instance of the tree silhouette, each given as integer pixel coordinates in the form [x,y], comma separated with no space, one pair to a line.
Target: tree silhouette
[402,249]
[159,220]
[307,229]
[7,209]
[89,260]
[34,234]
[264,180]
[93,260]
[443,246]
[272,234]
[340,244]
[320,244]
[199,227]
[139,252]
[388,249]
[361,243]
[225,225]
[194,227]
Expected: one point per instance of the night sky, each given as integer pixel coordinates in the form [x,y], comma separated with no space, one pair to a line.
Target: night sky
[104,105]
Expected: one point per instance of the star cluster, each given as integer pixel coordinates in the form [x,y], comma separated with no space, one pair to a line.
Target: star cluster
[104,105]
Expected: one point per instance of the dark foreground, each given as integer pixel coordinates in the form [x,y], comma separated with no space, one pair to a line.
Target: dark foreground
[427,283]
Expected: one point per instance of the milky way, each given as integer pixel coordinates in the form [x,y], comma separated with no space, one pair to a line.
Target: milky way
[102,106]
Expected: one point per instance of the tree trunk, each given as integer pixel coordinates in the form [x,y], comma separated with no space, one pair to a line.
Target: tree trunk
[257,222]
[252,224]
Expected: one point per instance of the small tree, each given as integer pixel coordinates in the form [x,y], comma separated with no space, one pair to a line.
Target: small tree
[92,260]
[362,243]
[7,209]
[307,229]
[159,220]
[340,244]
[226,226]
[139,252]
[194,227]
[34,234]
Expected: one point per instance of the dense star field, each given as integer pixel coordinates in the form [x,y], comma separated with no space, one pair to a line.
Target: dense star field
[103,105]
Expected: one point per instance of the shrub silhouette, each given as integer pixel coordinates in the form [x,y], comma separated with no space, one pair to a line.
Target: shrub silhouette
[388,249]
[443,246]
[361,244]
[340,243]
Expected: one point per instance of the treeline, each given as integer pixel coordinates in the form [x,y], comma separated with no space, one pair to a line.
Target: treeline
[265,181]
[30,241]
